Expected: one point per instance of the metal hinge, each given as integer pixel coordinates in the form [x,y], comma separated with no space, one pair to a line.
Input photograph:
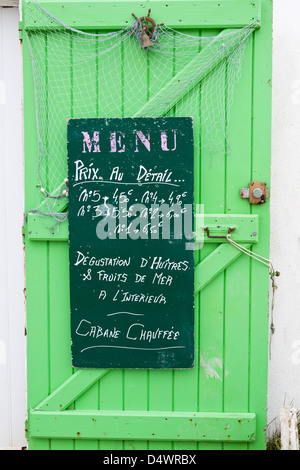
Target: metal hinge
[257,193]
[26,428]
[21,31]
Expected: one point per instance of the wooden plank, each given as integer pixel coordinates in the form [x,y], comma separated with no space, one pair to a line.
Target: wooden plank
[135,381]
[60,364]
[197,257]
[111,395]
[59,323]
[261,162]
[71,389]
[211,298]
[38,231]
[97,14]
[246,228]
[160,380]
[111,398]
[186,79]
[237,301]
[144,425]
[214,264]
[81,85]
[58,293]
[37,323]
[185,383]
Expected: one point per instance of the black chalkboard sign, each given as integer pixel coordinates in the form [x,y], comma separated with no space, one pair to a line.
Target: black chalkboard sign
[130,226]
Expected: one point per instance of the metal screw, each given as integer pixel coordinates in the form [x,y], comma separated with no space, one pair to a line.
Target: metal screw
[257,193]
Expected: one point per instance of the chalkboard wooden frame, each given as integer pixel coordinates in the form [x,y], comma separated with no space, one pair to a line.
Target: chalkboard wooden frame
[131,295]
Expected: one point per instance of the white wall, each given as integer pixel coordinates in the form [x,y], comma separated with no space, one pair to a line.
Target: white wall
[284,366]
[12,317]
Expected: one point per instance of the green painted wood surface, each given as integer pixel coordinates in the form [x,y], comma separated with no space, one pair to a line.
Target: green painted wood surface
[214,264]
[245,228]
[98,14]
[231,304]
[141,425]
[75,386]
[181,84]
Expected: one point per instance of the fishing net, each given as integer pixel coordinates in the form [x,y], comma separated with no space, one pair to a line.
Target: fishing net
[85,74]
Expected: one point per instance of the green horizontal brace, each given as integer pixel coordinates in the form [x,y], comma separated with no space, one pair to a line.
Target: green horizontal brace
[38,231]
[246,228]
[98,14]
[143,425]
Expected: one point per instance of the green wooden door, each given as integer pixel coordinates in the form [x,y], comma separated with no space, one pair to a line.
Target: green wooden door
[221,403]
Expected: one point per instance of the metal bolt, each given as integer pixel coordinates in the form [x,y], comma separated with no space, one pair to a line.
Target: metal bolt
[257,193]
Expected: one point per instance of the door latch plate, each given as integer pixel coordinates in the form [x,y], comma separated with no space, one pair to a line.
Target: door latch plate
[257,193]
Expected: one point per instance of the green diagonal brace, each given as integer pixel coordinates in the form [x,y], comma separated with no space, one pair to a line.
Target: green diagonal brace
[186,79]
[71,389]
[214,264]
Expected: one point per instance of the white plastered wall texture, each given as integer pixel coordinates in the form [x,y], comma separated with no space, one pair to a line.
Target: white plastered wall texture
[12,311]
[284,366]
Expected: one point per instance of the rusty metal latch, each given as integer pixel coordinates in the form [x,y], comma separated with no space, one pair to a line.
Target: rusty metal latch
[230,230]
[257,193]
